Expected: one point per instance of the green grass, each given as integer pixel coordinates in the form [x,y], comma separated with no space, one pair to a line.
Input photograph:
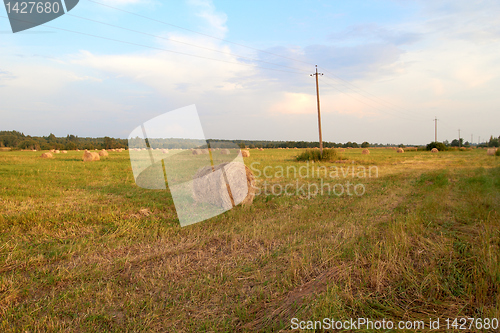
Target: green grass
[83,249]
[315,155]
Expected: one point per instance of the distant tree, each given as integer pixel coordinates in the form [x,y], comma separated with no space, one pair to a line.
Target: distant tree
[29,144]
[365,145]
[493,142]
[439,145]
[71,146]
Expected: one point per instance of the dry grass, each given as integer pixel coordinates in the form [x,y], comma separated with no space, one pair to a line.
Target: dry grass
[86,250]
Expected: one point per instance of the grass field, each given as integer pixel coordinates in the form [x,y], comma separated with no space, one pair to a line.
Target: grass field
[83,249]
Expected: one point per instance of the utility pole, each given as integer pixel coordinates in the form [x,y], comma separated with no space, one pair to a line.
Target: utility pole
[435,129]
[471,141]
[319,113]
[459,145]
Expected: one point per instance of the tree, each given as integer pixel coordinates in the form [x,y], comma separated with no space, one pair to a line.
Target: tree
[365,145]
[438,145]
[456,143]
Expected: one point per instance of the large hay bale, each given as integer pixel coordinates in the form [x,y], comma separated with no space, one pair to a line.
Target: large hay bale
[52,150]
[90,156]
[196,152]
[365,152]
[64,152]
[229,184]
[57,152]
[103,153]
[400,150]
[224,152]
[46,155]
[204,151]
[434,150]
[261,149]
[491,152]
[245,153]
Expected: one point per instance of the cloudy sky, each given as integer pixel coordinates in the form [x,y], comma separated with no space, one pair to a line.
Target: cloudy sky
[389,68]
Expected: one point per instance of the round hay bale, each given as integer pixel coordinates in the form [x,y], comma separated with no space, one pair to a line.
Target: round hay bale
[434,150]
[103,153]
[52,150]
[90,156]
[57,152]
[400,150]
[77,149]
[196,152]
[239,188]
[46,155]
[224,152]
[165,151]
[245,153]
[491,151]
[64,152]
[365,152]
[261,149]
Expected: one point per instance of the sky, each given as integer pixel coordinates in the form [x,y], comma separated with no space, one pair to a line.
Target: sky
[389,68]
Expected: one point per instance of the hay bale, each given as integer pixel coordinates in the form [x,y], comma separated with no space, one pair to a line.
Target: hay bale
[245,153]
[196,152]
[57,151]
[491,152]
[90,156]
[365,152]
[216,191]
[64,152]
[400,150]
[224,152]
[52,150]
[204,151]
[261,149]
[434,150]
[164,151]
[46,155]
[103,153]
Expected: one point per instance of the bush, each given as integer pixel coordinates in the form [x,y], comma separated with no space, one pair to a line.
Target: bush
[497,153]
[314,155]
[438,145]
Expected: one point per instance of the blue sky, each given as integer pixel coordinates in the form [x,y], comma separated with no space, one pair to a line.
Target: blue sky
[389,68]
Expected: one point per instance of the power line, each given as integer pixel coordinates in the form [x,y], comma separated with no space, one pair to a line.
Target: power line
[185,43]
[196,32]
[162,49]
[347,84]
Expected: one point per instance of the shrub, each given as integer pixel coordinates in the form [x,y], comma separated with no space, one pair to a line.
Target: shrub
[314,155]
[497,153]
[438,145]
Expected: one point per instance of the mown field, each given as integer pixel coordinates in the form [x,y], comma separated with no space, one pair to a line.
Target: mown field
[83,249]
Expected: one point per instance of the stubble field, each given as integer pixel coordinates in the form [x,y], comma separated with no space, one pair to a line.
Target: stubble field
[84,249]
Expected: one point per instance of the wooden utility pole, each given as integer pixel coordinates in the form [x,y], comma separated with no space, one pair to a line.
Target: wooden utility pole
[435,129]
[459,145]
[319,113]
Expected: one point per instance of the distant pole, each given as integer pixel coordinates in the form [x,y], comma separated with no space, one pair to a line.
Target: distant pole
[459,145]
[435,129]
[471,141]
[479,141]
[319,113]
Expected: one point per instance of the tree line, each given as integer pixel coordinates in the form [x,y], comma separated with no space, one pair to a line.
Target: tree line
[17,140]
